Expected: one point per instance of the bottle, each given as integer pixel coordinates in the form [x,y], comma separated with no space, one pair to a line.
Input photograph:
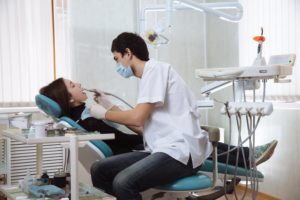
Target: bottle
[45,178]
[28,181]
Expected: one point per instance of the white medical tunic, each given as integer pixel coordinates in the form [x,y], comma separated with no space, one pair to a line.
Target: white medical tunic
[173,127]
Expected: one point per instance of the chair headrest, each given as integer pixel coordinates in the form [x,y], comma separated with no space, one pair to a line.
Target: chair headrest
[48,105]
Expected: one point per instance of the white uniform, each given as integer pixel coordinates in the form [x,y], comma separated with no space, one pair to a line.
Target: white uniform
[173,127]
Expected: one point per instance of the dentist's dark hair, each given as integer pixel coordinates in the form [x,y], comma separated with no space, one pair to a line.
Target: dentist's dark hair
[58,92]
[132,41]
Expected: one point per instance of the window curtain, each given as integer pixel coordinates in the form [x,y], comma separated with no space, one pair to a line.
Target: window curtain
[26,50]
[280,20]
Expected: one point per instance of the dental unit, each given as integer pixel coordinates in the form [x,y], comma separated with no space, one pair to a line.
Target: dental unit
[241,109]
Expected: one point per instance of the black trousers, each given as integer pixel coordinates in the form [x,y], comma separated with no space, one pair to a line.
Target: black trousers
[223,148]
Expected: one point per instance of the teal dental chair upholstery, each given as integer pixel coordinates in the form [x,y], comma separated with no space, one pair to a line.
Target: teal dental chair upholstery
[204,181]
[98,149]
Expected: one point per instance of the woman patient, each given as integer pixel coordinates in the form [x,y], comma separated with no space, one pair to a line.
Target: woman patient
[71,97]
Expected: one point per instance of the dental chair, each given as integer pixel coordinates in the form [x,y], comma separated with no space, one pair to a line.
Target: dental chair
[203,185]
[205,180]
[96,149]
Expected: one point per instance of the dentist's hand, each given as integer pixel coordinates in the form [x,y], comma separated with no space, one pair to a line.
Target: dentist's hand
[98,111]
[102,99]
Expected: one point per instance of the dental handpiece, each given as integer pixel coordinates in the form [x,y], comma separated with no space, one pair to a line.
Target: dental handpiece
[109,94]
[90,90]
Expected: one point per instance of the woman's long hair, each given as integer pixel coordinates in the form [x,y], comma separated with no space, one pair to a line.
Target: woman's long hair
[58,92]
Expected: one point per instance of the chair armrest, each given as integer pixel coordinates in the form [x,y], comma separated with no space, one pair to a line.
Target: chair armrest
[214,137]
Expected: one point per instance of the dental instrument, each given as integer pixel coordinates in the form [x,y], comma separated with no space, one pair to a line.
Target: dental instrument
[109,94]
[259,60]
[246,78]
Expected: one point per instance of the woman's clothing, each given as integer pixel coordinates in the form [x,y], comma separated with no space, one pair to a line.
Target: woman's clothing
[234,156]
[122,143]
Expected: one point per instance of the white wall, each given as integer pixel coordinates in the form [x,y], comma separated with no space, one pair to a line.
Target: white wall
[94,24]
[282,176]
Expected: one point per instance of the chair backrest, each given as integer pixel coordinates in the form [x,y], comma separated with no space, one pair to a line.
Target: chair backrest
[53,109]
[47,105]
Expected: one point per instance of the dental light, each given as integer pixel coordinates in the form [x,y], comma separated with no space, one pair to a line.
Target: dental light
[155,36]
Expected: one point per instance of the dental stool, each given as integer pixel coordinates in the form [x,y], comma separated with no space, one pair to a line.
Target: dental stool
[96,149]
[184,188]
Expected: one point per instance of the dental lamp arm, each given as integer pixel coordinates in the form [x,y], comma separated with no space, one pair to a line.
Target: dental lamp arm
[214,9]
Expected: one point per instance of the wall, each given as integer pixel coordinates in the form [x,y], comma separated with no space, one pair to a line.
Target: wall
[281,172]
[94,24]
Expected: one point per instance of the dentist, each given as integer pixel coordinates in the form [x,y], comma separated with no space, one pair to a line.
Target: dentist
[175,146]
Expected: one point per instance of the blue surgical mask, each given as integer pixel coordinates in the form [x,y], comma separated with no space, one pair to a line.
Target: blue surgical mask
[126,72]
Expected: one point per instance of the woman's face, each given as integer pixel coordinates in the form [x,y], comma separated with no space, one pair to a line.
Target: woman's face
[76,92]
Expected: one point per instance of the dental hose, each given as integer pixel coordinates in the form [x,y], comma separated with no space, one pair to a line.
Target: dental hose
[115,96]
[110,94]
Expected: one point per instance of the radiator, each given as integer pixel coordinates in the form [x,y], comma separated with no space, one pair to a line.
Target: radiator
[17,158]
[23,158]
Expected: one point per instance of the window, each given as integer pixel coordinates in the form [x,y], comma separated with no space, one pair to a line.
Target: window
[26,49]
[280,21]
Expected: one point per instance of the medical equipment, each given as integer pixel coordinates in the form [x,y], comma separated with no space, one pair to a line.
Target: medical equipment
[109,94]
[246,78]
[260,60]
[206,90]
[200,181]
[278,68]
[155,36]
